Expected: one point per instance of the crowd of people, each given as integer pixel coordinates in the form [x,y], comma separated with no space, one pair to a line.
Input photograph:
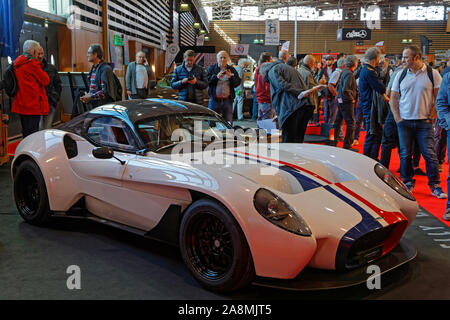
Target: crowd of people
[393,101]
[402,105]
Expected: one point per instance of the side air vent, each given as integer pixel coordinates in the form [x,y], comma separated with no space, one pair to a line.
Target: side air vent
[71,147]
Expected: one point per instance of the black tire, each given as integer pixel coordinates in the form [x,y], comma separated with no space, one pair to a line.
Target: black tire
[214,247]
[30,194]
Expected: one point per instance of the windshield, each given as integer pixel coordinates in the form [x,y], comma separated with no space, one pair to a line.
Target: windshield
[161,133]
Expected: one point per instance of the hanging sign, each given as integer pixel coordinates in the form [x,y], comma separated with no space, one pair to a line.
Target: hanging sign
[239,49]
[272,32]
[353,34]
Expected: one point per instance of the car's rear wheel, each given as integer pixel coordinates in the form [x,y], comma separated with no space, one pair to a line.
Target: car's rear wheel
[30,193]
[214,247]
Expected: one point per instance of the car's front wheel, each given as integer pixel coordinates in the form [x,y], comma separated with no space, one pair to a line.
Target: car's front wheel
[214,247]
[30,193]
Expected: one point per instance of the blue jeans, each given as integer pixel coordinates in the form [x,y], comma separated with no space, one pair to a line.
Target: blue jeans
[440,139]
[255,105]
[330,107]
[346,112]
[448,177]
[389,140]
[372,142]
[239,102]
[359,120]
[222,107]
[422,131]
[265,111]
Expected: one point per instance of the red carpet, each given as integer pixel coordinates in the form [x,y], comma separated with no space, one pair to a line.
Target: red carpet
[421,191]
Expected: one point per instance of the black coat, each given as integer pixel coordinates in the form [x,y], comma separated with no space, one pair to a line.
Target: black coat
[212,72]
[54,89]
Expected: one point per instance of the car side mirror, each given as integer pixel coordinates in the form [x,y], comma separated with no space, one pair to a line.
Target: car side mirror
[103,153]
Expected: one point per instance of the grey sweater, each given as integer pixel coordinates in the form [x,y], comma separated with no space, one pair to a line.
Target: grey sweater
[131,77]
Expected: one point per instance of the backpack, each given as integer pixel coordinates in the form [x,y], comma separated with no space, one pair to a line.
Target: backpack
[117,84]
[429,72]
[433,113]
[9,82]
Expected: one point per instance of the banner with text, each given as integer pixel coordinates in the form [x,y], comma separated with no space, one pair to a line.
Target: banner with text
[272,32]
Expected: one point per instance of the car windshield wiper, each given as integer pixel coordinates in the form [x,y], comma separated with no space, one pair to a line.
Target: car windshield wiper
[167,146]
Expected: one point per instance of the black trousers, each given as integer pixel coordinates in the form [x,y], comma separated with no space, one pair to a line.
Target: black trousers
[140,94]
[30,124]
[346,112]
[294,127]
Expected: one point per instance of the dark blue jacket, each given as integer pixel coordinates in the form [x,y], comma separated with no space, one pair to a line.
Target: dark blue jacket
[213,71]
[190,92]
[443,102]
[368,83]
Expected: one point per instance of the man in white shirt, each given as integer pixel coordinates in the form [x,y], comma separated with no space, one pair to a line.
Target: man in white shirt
[138,77]
[412,105]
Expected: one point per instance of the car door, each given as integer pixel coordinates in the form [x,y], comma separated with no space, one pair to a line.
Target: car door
[101,179]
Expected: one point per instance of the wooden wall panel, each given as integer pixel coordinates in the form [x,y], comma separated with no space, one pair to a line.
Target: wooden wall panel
[187,31]
[217,41]
[82,39]
[64,49]
[321,36]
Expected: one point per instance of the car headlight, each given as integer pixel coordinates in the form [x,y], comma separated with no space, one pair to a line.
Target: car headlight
[391,180]
[278,212]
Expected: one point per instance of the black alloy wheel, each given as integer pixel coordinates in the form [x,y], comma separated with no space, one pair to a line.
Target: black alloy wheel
[30,193]
[214,247]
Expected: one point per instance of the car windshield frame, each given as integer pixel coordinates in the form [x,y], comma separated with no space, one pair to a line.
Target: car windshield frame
[163,120]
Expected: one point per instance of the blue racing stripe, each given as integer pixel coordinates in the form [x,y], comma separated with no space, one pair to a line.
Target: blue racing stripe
[367,224]
[305,182]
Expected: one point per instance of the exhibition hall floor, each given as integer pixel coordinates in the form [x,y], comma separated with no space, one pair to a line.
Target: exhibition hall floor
[118,265]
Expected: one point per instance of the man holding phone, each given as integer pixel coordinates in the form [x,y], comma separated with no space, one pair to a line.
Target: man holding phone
[222,79]
[138,77]
[190,79]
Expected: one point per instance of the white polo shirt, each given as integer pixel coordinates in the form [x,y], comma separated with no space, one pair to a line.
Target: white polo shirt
[416,93]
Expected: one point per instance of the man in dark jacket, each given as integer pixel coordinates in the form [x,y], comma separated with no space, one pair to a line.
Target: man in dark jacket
[290,99]
[222,79]
[31,101]
[53,91]
[369,82]
[102,86]
[308,76]
[347,97]
[443,111]
[138,77]
[189,79]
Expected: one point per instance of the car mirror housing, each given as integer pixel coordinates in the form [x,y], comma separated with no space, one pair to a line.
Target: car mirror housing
[103,153]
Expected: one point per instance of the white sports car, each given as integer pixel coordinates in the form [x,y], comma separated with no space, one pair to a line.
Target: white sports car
[251,214]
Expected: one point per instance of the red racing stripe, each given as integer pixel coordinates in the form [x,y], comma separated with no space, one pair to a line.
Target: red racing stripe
[391,217]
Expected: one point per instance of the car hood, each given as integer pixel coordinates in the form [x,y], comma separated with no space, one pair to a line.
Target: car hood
[285,171]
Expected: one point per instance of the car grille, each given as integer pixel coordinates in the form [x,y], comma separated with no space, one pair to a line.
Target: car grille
[365,249]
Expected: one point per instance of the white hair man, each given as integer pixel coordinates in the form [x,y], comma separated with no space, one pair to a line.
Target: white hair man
[138,77]
[346,98]
[31,100]
[307,74]
[222,79]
